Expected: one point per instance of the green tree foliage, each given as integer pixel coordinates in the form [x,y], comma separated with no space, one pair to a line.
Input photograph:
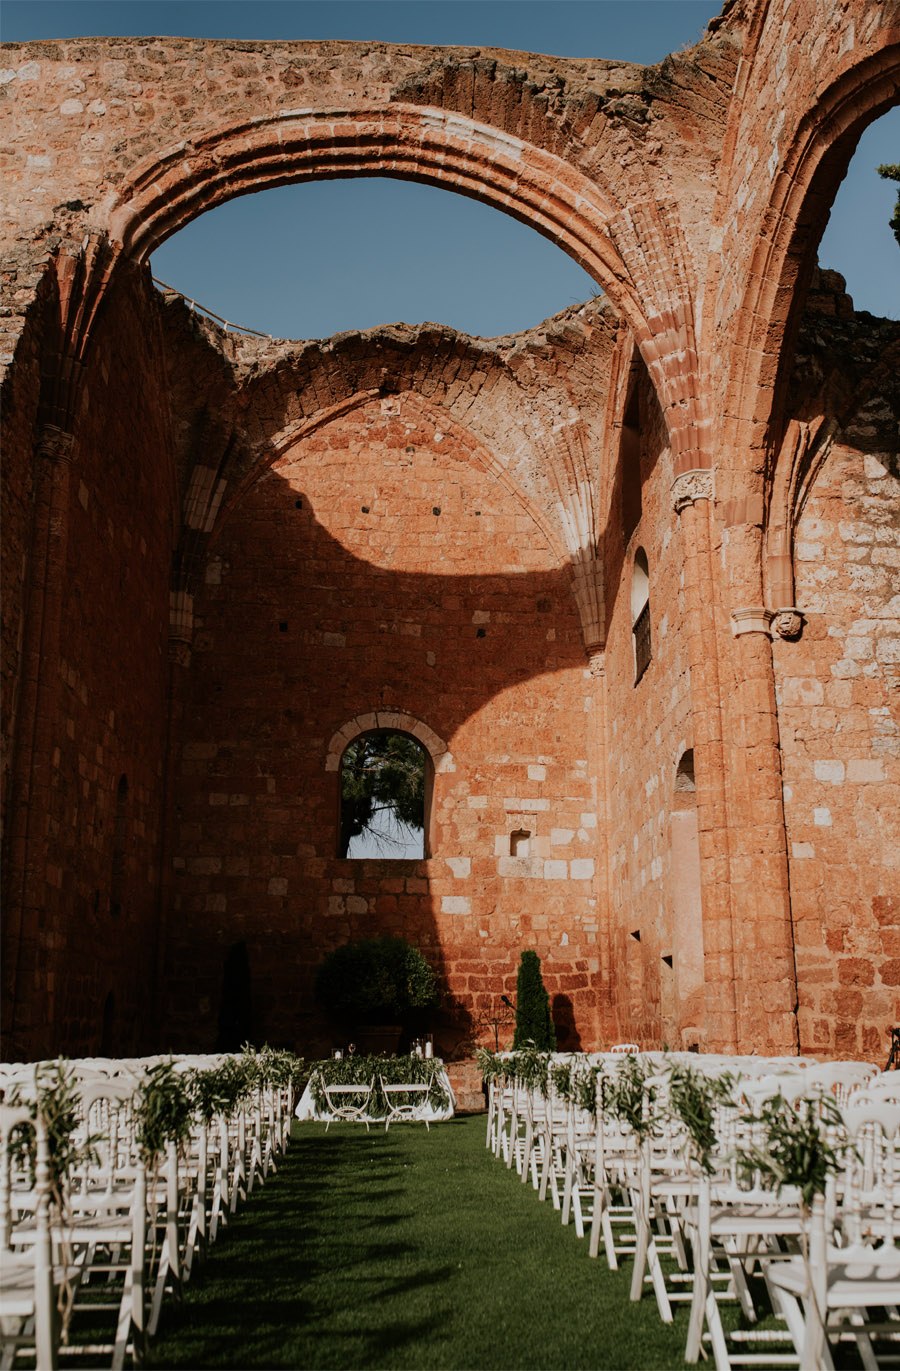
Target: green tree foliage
[375,980]
[379,772]
[533,1020]
[891,172]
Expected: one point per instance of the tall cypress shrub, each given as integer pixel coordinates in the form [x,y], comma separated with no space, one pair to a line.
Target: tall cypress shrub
[533,1020]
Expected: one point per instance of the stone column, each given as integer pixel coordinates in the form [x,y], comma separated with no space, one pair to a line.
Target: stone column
[29,1006]
[767,976]
[606,1017]
[692,494]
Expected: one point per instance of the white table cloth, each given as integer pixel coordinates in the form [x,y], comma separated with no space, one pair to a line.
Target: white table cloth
[307,1108]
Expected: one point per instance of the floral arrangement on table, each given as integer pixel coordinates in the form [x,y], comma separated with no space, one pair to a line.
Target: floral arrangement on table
[362,1070]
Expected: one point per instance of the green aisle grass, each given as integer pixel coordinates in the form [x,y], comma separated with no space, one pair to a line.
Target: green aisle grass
[407,1249]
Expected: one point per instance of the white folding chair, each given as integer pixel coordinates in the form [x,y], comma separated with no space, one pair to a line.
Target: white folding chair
[405,1101]
[349,1103]
[28,1316]
[837,1286]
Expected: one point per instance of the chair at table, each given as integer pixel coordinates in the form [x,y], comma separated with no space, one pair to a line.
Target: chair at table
[405,1101]
[349,1103]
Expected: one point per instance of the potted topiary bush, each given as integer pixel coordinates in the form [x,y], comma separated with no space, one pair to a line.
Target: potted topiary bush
[373,989]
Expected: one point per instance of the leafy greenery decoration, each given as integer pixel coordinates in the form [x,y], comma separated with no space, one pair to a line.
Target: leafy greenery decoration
[891,172]
[164,1111]
[589,1087]
[795,1150]
[361,1070]
[561,1079]
[375,980]
[625,1097]
[529,1067]
[696,1100]
[490,1064]
[57,1102]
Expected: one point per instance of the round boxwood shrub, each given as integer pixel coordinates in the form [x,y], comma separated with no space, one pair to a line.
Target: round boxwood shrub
[375,981]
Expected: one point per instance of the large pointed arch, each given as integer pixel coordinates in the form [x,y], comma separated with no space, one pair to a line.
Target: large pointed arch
[803,190]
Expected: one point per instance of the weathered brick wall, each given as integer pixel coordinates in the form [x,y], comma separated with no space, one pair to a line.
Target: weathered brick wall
[648,729]
[20,406]
[406,578]
[111,698]
[838,689]
[694,192]
[839,729]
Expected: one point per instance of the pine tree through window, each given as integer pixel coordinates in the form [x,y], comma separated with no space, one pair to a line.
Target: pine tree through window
[383,797]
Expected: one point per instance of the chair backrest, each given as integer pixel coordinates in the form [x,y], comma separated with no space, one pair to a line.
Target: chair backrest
[14,1117]
[872,1179]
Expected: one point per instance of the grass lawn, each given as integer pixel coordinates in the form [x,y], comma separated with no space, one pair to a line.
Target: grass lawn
[407,1249]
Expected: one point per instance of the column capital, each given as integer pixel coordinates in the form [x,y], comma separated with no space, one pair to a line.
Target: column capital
[596,661]
[751,619]
[692,486]
[56,444]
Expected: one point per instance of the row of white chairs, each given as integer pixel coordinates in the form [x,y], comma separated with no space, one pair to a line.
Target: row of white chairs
[124,1229]
[704,1233]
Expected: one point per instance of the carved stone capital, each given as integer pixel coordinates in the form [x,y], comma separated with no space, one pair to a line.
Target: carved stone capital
[56,444]
[787,623]
[752,619]
[596,662]
[691,486]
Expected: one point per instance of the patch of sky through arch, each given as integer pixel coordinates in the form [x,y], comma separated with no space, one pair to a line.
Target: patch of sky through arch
[311,260]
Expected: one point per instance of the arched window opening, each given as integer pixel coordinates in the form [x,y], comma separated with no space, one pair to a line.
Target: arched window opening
[862,246]
[685,784]
[384,797]
[685,900]
[640,613]
[117,873]
[630,462]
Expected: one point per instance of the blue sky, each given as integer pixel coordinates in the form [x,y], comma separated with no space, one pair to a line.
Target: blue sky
[311,260]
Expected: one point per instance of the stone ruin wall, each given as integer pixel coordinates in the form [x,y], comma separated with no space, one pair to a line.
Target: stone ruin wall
[376,569]
[107,704]
[148,650]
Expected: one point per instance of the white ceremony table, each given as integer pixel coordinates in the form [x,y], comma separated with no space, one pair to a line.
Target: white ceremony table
[307,1108]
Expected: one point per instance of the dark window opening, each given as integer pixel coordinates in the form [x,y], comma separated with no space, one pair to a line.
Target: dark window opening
[641,643]
[640,613]
[630,462]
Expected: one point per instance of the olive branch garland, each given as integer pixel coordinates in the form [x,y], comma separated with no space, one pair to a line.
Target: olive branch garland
[697,1100]
[56,1100]
[796,1150]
